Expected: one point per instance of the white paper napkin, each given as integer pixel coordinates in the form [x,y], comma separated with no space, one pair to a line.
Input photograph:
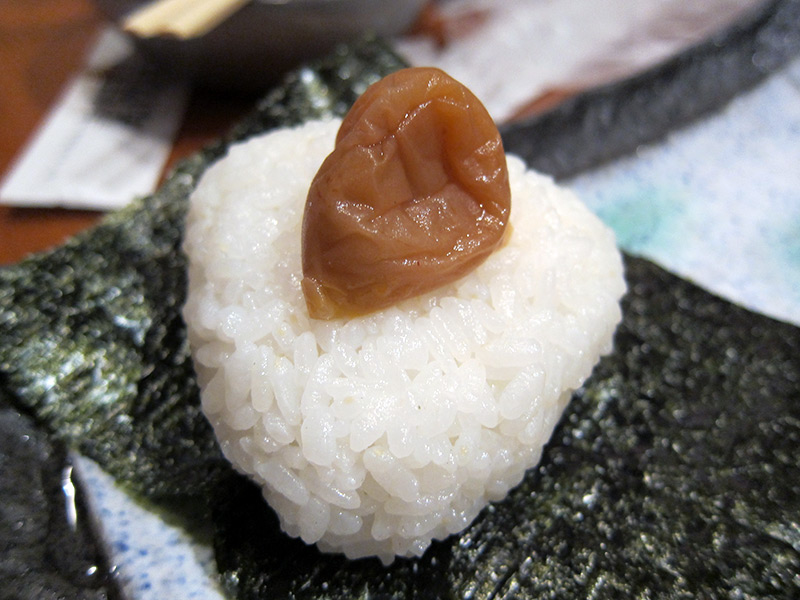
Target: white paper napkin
[108,137]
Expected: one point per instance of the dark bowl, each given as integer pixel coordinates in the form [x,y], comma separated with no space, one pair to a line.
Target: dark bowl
[253,47]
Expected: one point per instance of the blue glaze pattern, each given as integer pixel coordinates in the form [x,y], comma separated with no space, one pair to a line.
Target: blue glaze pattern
[153,557]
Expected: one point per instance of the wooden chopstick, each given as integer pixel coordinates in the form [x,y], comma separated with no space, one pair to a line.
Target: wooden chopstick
[183,19]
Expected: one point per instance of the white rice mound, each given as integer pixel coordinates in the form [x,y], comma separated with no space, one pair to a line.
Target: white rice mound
[375,435]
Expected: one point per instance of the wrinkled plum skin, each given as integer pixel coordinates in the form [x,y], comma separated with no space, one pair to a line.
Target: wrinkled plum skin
[414,196]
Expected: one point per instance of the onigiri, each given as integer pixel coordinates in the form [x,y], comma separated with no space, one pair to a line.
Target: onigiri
[374,435]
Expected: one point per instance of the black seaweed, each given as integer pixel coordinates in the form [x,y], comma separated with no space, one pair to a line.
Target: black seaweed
[673,474]
[94,346]
[600,125]
[50,547]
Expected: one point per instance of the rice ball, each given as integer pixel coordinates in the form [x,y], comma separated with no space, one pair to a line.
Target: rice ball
[375,435]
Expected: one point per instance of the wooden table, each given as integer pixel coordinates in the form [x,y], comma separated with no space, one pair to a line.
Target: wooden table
[43,44]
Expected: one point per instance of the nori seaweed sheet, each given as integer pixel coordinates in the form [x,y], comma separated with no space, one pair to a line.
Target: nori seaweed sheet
[671,474]
[613,120]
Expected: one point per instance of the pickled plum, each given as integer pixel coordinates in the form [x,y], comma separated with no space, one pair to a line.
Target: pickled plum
[414,195]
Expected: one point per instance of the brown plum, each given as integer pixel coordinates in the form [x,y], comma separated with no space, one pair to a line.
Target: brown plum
[414,195]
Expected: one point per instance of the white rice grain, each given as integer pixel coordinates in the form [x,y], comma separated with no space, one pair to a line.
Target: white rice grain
[375,435]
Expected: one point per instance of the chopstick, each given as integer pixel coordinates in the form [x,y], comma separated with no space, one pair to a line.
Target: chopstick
[183,19]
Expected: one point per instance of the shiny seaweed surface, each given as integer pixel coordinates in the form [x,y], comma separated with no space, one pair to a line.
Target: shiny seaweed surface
[671,475]
[50,545]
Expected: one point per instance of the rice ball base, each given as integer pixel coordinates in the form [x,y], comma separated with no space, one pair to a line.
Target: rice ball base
[373,436]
